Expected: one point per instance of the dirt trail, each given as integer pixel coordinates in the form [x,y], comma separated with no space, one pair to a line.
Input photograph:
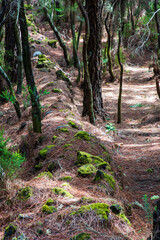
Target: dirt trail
[137,142]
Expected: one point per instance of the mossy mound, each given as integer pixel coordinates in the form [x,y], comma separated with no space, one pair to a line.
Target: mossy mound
[72,124]
[87,170]
[118,210]
[61,75]
[87,158]
[62,192]
[25,193]
[101,209]
[100,175]
[82,135]
[50,202]
[48,209]
[86,200]
[52,43]
[66,178]
[9,231]
[63,129]
[45,174]
[38,166]
[53,166]
[44,62]
[44,151]
[81,236]
[56,90]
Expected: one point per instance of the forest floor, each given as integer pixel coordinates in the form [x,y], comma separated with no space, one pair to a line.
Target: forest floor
[135,145]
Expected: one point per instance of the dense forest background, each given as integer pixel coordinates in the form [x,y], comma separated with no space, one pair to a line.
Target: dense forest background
[79,117]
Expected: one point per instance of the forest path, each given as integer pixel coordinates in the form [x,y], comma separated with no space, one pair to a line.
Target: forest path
[137,142]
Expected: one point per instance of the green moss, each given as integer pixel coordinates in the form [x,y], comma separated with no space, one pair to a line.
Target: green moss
[38,166]
[28,6]
[56,90]
[48,209]
[86,170]
[101,209]
[62,192]
[52,43]
[72,124]
[87,158]
[45,174]
[86,199]
[66,178]
[107,177]
[44,151]
[123,216]
[66,185]
[107,156]
[54,138]
[50,202]
[10,230]
[63,129]
[25,193]
[81,236]
[61,75]
[67,145]
[82,135]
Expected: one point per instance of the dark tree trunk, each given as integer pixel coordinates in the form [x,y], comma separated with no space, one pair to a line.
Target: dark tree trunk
[36,112]
[10,60]
[94,9]
[158,27]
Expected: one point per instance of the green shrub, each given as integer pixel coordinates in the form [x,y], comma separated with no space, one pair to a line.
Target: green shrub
[9,161]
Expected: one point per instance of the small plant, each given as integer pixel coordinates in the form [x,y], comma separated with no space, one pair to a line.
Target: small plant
[43,93]
[137,105]
[147,208]
[6,95]
[110,127]
[9,161]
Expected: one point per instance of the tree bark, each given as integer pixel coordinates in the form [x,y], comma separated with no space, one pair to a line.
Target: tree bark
[158,27]
[94,9]
[36,112]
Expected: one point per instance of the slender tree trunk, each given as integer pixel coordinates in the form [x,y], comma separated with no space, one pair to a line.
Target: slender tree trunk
[158,27]
[75,55]
[94,9]
[88,95]
[19,60]
[12,94]
[60,40]
[36,112]
[10,60]
[121,79]
[112,78]
[79,33]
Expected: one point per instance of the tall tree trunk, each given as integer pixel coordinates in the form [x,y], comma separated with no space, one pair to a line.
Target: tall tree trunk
[158,27]
[88,95]
[60,40]
[94,9]
[112,78]
[75,55]
[36,112]
[10,60]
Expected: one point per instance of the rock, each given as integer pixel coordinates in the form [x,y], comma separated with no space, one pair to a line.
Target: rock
[107,177]
[52,43]
[37,53]
[82,135]
[9,231]
[87,170]
[45,174]
[1,114]
[62,192]
[25,193]
[116,208]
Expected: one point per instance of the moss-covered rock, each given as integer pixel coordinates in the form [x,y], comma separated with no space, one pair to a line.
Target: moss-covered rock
[107,156]
[62,192]
[72,124]
[52,43]
[61,75]
[86,200]
[81,236]
[63,129]
[116,208]
[54,138]
[101,209]
[38,166]
[123,216]
[82,135]
[87,158]
[9,230]
[25,193]
[107,177]
[44,151]
[66,178]
[50,202]
[87,170]
[45,174]
[48,209]
[56,90]
[53,166]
